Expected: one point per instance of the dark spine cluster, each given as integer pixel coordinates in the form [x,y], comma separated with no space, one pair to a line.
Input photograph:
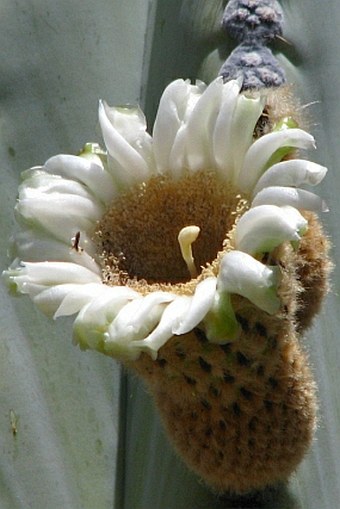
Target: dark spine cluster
[254,24]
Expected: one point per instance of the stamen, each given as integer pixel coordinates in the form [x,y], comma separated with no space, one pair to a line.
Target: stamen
[186,238]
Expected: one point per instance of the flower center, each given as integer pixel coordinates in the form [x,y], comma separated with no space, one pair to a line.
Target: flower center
[167,231]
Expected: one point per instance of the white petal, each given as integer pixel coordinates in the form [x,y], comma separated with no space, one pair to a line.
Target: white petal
[137,319]
[294,216]
[200,127]
[50,300]
[38,182]
[75,205]
[263,228]
[33,246]
[259,154]
[130,122]
[200,304]
[294,172]
[48,274]
[177,156]
[56,195]
[90,173]
[132,167]
[90,329]
[81,295]
[163,332]
[25,287]
[246,115]
[175,106]
[60,215]
[73,298]
[298,198]
[146,305]
[240,273]
[134,322]
[222,135]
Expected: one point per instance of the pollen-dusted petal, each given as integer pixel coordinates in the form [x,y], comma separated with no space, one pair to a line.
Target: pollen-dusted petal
[200,304]
[298,198]
[176,104]
[260,152]
[67,299]
[132,161]
[240,273]
[246,114]
[163,332]
[61,215]
[30,244]
[295,172]
[222,146]
[263,228]
[83,170]
[90,329]
[200,127]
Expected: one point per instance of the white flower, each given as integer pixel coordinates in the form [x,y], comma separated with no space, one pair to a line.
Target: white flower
[151,238]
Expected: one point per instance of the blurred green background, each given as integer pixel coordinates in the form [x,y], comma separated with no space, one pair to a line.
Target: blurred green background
[87,435]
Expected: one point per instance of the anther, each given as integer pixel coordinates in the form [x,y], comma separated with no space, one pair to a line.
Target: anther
[186,238]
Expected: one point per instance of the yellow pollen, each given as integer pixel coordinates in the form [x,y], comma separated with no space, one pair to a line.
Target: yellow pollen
[186,238]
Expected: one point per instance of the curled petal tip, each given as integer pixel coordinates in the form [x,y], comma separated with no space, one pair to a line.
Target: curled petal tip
[240,273]
[264,227]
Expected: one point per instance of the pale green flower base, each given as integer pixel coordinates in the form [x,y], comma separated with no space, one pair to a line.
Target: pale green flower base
[59,58]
